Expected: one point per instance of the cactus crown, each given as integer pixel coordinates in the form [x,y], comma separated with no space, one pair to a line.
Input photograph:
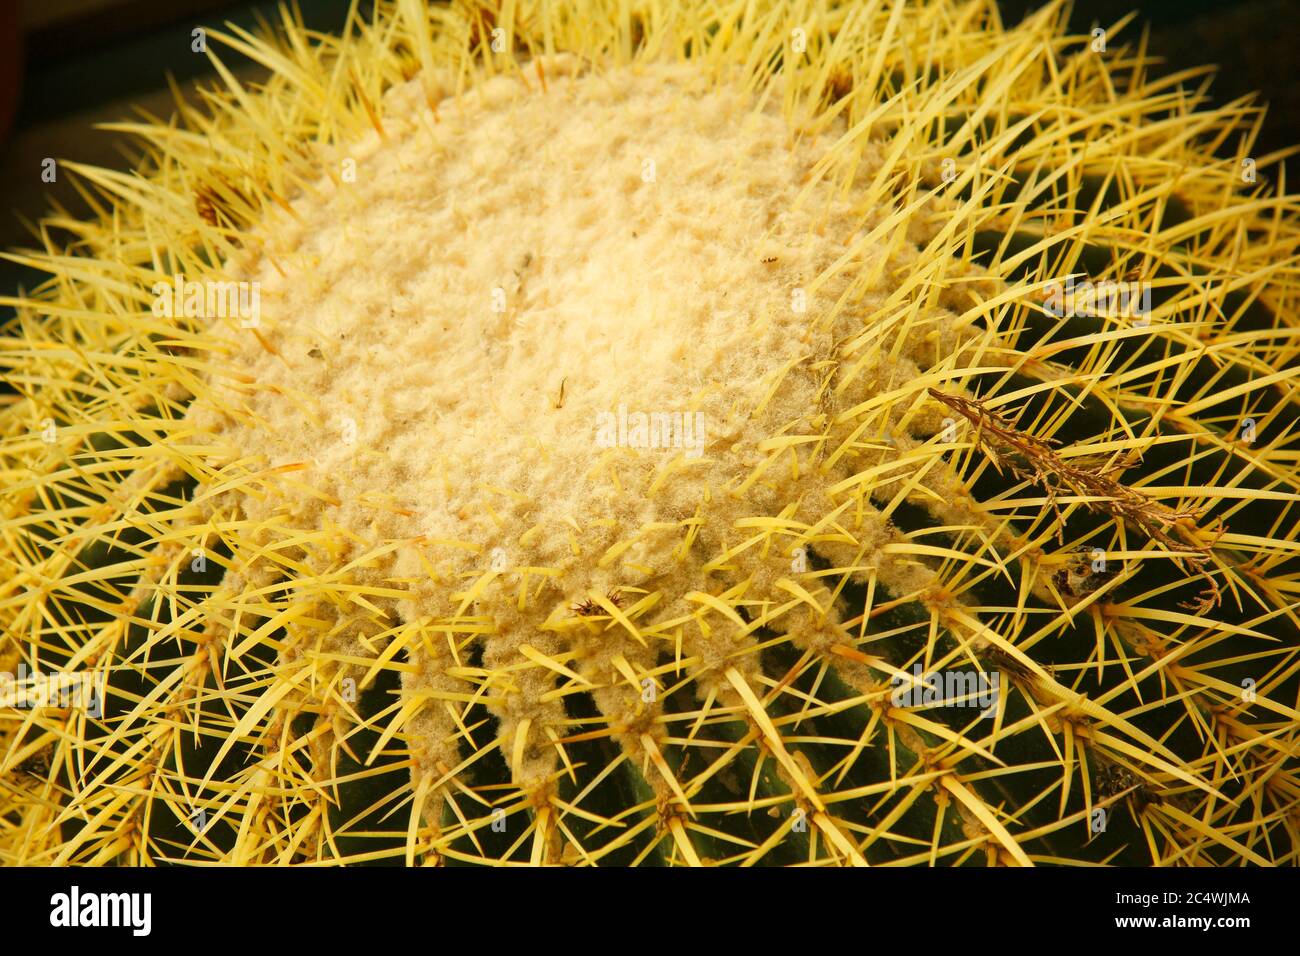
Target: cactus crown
[788,432]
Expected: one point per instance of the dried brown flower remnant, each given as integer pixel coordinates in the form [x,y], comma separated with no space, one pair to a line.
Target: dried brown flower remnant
[1034,459]
[589,608]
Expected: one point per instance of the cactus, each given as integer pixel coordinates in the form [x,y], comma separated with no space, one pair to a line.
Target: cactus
[776,432]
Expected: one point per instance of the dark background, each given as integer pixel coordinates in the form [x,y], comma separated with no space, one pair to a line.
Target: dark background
[88,61]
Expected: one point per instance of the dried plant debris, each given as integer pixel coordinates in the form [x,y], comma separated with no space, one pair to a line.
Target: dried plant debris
[1093,479]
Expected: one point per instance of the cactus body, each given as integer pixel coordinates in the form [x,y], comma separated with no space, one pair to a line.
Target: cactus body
[603,434]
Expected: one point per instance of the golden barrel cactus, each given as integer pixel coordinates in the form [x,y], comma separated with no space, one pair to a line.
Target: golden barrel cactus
[629,433]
